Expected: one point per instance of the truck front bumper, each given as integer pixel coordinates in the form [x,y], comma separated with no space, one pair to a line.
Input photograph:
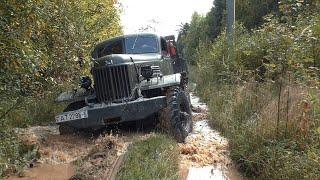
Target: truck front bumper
[100,115]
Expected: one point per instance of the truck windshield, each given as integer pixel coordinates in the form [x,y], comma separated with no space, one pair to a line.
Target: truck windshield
[141,44]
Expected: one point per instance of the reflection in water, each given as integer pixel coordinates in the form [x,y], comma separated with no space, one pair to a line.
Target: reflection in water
[214,173]
[205,152]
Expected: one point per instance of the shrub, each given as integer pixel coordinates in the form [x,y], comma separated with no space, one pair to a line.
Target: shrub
[14,155]
[264,94]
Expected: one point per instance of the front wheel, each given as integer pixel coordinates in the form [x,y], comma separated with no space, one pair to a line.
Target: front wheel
[176,118]
[66,129]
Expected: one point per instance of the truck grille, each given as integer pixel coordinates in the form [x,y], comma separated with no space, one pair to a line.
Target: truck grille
[111,83]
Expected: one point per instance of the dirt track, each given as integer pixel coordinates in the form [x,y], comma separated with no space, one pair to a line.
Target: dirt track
[99,156]
[205,154]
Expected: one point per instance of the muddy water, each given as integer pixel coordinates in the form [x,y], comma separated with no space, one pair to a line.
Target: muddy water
[58,153]
[205,154]
[47,172]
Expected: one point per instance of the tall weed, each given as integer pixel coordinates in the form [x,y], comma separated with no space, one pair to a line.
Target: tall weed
[264,95]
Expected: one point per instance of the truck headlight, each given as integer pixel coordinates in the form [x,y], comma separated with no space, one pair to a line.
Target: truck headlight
[146,72]
[85,82]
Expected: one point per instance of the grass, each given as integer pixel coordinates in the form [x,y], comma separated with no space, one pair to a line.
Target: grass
[264,142]
[153,158]
[33,111]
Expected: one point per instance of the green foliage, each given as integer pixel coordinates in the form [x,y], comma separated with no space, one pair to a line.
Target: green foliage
[153,158]
[14,155]
[30,111]
[216,19]
[42,40]
[189,38]
[42,43]
[251,13]
[264,95]
[206,29]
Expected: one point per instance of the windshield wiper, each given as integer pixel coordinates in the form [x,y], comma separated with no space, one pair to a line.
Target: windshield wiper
[134,44]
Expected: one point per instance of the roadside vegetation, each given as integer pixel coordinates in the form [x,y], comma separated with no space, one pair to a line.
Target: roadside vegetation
[45,47]
[153,158]
[264,95]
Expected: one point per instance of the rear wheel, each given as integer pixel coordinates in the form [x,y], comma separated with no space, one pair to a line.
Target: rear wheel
[176,118]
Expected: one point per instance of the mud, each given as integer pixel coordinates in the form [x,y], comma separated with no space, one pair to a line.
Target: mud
[47,172]
[77,156]
[83,156]
[53,147]
[205,154]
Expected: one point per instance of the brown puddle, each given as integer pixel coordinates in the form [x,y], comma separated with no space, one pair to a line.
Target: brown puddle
[47,172]
[94,157]
[205,154]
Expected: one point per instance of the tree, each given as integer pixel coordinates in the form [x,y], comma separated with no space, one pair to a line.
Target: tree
[41,41]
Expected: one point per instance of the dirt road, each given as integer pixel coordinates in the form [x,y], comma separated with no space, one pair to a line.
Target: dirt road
[203,156]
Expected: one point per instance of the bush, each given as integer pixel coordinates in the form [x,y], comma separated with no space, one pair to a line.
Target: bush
[14,155]
[30,111]
[43,42]
[264,94]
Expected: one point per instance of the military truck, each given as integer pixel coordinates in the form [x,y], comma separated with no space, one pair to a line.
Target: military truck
[134,77]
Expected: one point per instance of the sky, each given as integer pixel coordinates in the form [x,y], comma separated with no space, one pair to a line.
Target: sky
[163,16]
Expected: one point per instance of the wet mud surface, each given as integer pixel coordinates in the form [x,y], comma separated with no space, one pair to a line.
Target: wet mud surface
[76,156]
[47,172]
[205,154]
[97,156]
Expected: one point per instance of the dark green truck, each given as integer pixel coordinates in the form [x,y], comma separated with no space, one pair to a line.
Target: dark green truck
[134,77]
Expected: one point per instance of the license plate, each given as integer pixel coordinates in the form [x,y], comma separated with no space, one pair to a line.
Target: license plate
[71,116]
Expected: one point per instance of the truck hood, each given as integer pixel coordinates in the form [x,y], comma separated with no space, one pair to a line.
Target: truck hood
[115,59]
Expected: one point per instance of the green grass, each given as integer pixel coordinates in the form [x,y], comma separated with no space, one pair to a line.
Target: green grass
[262,146]
[153,158]
[263,97]
[33,111]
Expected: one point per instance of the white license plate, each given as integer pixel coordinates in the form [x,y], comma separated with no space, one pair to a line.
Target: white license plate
[71,116]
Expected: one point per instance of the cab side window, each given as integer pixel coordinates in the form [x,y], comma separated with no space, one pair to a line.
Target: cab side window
[115,47]
[164,47]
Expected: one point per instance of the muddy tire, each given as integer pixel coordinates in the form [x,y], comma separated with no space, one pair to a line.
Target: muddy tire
[176,118]
[65,129]
[75,106]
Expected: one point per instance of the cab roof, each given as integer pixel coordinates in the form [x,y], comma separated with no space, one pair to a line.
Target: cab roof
[102,43]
